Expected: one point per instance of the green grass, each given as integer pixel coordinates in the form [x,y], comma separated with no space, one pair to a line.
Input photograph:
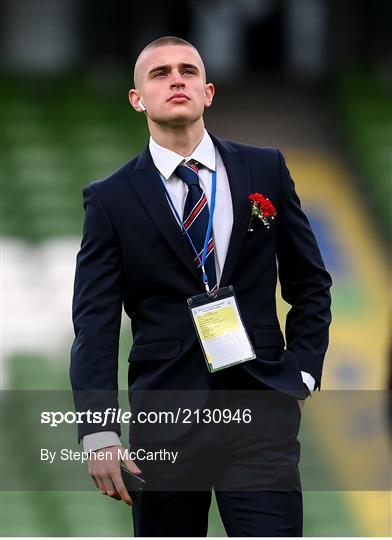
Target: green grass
[82,513]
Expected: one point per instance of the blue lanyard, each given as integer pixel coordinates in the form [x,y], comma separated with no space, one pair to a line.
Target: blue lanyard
[204,255]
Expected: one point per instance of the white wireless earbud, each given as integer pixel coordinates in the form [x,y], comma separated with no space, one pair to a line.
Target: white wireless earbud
[141,105]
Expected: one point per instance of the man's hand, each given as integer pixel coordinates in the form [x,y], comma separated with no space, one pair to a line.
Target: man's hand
[106,474]
[301,403]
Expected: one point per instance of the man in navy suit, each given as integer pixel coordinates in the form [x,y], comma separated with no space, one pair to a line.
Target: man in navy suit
[134,254]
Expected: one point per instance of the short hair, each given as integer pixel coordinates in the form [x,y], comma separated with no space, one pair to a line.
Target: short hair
[167,40]
[161,42]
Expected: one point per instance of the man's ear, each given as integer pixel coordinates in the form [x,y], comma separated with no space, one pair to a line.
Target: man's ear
[209,94]
[134,98]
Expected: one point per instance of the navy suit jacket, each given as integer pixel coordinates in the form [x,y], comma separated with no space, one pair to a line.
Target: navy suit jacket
[134,255]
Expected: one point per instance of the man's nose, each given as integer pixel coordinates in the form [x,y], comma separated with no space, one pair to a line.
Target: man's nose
[177,79]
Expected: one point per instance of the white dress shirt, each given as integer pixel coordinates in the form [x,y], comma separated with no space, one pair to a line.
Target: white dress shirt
[166,161]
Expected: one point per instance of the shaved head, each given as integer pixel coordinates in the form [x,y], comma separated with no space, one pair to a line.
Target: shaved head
[161,42]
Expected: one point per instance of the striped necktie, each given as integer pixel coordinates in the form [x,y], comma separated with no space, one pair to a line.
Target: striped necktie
[195,219]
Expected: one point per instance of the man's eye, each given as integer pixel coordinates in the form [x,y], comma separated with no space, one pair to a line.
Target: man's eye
[189,71]
[159,74]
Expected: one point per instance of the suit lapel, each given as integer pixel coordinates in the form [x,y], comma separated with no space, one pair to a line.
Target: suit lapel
[148,185]
[237,169]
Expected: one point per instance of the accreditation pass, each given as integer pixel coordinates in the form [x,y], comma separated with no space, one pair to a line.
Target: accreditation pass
[220,329]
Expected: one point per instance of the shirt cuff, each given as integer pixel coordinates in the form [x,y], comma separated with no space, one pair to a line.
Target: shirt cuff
[308,380]
[101,439]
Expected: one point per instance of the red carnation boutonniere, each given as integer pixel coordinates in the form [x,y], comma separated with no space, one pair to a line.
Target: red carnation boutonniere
[261,208]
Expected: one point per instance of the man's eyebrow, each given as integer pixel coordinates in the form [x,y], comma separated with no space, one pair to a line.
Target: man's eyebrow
[190,66]
[159,68]
[167,68]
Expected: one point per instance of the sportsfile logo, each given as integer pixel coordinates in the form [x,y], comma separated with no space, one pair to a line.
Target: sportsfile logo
[180,415]
[109,416]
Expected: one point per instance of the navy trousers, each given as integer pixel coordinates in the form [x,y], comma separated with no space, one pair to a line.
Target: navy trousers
[252,467]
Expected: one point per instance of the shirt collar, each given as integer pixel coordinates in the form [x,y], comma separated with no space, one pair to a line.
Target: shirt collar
[166,161]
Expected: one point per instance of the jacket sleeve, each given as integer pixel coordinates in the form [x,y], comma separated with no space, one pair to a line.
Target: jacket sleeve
[305,282]
[96,311]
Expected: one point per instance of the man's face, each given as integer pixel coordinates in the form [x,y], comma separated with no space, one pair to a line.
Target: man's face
[171,83]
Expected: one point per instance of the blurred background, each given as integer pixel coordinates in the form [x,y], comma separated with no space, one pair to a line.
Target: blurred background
[311,77]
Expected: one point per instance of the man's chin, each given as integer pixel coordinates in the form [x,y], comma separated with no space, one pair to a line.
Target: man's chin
[179,120]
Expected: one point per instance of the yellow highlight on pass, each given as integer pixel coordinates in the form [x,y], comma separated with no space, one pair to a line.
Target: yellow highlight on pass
[217,323]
